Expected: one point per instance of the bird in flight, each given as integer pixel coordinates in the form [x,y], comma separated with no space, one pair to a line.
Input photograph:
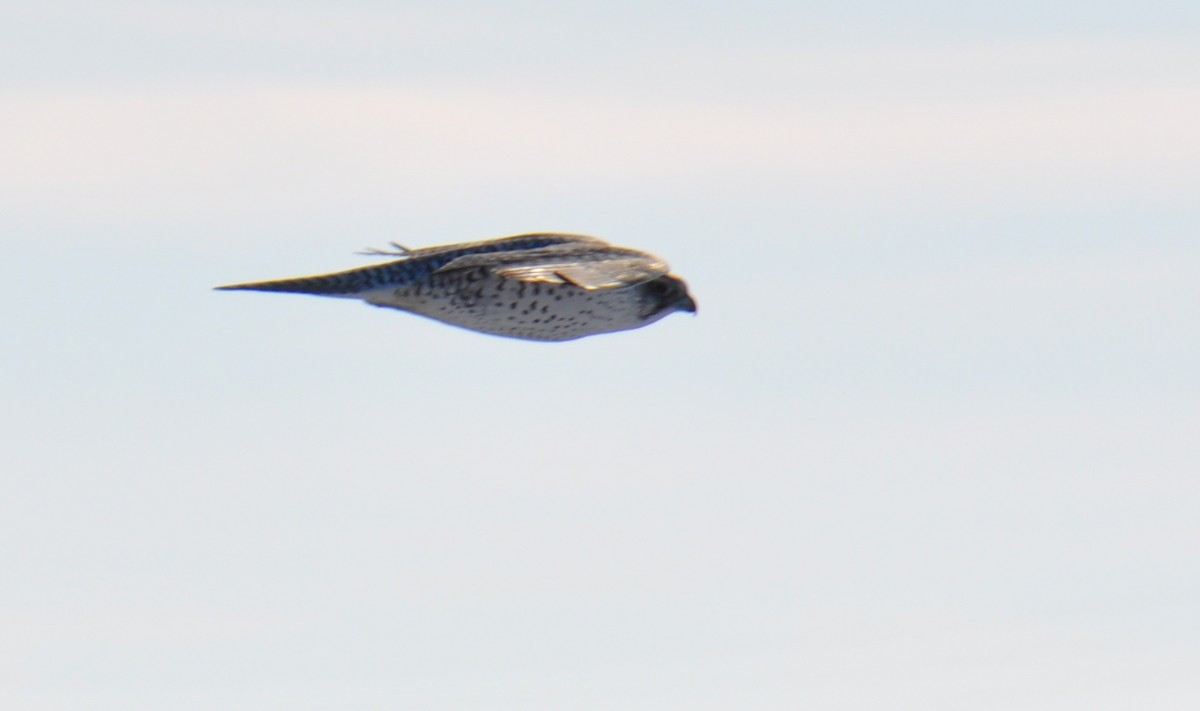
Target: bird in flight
[538,287]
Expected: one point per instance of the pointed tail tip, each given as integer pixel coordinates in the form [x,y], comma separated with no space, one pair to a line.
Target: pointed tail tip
[264,286]
[319,286]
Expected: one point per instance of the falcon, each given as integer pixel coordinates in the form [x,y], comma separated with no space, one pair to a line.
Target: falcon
[537,287]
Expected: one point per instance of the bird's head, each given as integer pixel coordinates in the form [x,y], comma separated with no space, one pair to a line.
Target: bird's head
[665,295]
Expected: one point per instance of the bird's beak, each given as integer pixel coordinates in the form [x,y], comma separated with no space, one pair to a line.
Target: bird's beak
[687,303]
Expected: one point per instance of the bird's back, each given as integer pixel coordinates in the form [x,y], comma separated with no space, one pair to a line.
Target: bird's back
[413,266]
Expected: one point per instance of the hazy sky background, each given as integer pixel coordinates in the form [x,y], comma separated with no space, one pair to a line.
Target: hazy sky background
[932,442]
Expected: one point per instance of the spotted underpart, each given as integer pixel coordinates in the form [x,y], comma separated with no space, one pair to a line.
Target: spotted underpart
[543,287]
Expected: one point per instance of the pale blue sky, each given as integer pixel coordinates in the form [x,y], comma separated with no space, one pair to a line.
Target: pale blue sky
[931,442]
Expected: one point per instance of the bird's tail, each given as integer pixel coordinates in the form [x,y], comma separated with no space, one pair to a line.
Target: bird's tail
[348,283]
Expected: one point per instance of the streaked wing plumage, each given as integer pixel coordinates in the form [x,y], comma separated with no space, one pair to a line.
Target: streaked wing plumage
[516,243]
[585,265]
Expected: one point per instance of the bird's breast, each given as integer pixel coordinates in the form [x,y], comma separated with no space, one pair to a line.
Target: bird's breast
[481,301]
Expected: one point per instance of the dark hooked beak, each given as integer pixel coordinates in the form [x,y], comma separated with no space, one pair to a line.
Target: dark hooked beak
[687,303]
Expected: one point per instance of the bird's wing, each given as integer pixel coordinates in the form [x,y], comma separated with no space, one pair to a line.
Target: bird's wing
[584,265]
[531,240]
